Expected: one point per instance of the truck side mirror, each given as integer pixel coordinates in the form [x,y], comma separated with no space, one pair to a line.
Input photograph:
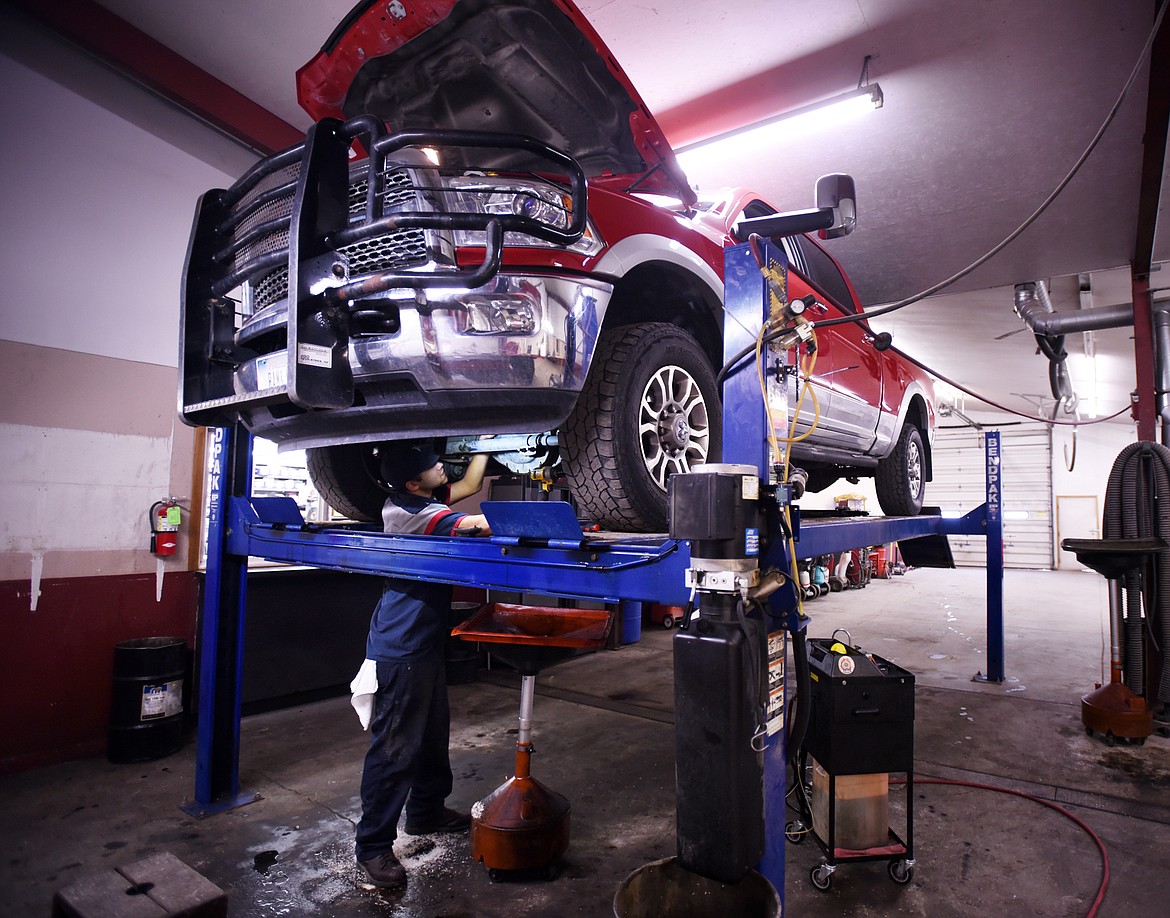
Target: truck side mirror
[835,214]
[836,192]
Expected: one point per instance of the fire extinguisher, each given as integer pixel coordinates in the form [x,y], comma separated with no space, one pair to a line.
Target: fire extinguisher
[164,526]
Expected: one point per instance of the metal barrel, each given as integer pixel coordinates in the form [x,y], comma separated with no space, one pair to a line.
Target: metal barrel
[146,709]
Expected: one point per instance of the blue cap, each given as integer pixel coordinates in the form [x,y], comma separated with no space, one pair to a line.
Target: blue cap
[406,460]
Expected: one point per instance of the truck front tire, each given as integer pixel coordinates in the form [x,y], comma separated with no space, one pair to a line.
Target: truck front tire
[649,408]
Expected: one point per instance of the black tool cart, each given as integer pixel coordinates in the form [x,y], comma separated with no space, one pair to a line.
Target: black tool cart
[861,729]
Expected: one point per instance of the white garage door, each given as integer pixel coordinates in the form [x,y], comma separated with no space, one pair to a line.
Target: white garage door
[959,486]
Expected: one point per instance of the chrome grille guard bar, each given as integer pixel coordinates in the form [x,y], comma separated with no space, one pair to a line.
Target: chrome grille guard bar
[219,259]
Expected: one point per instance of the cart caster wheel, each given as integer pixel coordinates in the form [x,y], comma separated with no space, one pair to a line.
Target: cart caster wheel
[495,875]
[1088,731]
[667,622]
[821,876]
[795,832]
[900,872]
[1110,739]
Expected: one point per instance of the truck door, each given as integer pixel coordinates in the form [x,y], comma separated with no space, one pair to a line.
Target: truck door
[847,364]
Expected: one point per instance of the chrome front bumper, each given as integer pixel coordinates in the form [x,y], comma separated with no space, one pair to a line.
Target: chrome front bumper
[508,357]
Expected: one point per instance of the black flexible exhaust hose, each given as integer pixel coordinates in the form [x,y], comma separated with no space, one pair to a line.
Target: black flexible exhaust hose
[1137,505]
[803,695]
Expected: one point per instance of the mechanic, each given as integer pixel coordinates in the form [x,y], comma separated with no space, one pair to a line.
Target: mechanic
[408,764]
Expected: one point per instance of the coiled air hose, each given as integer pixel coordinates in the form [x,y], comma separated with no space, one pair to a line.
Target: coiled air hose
[1137,506]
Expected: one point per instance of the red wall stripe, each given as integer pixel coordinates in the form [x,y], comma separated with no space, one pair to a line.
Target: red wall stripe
[57,663]
[142,58]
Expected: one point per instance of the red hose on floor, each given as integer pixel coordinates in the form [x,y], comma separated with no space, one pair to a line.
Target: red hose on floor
[1052,806]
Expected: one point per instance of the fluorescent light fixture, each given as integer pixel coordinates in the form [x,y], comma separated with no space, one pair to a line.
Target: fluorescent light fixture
[827,111]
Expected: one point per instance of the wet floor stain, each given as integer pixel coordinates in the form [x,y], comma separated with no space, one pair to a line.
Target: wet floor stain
[418,848]
[1134,765]
[262,861]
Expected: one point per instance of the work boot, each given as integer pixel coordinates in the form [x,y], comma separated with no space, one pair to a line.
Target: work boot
[384,870]
[446,820]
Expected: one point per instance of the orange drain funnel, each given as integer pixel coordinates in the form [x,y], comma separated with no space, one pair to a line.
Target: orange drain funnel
[523,825]
[1115,711]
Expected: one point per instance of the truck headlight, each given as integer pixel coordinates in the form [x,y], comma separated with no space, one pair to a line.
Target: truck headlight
[536,200]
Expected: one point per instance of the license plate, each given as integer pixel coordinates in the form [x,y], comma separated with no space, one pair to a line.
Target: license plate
[272,371]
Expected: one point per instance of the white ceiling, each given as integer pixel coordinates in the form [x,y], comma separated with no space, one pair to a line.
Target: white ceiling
[987,107]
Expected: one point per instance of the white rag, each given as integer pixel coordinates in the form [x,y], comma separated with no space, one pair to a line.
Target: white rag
[363,686]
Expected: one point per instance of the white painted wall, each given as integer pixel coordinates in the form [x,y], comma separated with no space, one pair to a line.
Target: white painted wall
[1097,447]
[78,490]
[100,184]
[96,202]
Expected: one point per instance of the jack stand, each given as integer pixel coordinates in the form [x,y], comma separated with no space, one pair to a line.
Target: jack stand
[522,825]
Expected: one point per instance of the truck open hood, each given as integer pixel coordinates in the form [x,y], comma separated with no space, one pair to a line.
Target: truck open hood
[532,67]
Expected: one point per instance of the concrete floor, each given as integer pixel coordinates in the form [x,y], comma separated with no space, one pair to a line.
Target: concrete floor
[604,739]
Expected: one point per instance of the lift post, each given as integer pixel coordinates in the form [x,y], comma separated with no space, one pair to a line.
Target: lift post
[745,426]
[993,524]
[221,636]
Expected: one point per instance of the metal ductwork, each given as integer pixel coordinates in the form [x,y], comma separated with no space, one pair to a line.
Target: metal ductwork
[1032,304]
[1035,308]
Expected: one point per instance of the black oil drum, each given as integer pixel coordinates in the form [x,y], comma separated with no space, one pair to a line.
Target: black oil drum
[146,712]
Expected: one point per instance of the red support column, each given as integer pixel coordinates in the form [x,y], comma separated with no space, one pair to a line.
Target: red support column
[141,58]
[1145,408]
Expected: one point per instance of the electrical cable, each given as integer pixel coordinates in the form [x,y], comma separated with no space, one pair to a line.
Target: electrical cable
[1044,205]
[732,364]
[796,730]
[805,376]
[994,404]
[800,725]
[1052,806]
[794,568]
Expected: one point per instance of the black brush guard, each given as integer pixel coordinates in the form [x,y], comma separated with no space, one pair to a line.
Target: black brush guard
[320,293]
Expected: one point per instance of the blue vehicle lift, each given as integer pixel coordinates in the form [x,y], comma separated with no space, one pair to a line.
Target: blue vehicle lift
[627,569]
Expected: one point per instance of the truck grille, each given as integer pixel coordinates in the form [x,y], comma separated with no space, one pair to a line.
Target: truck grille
[392,251]
[278,208]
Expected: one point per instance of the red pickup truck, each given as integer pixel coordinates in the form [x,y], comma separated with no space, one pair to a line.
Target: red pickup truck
[487,232]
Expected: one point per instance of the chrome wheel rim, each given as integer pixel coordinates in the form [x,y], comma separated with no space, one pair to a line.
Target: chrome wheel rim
[914,468]
[674,429]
